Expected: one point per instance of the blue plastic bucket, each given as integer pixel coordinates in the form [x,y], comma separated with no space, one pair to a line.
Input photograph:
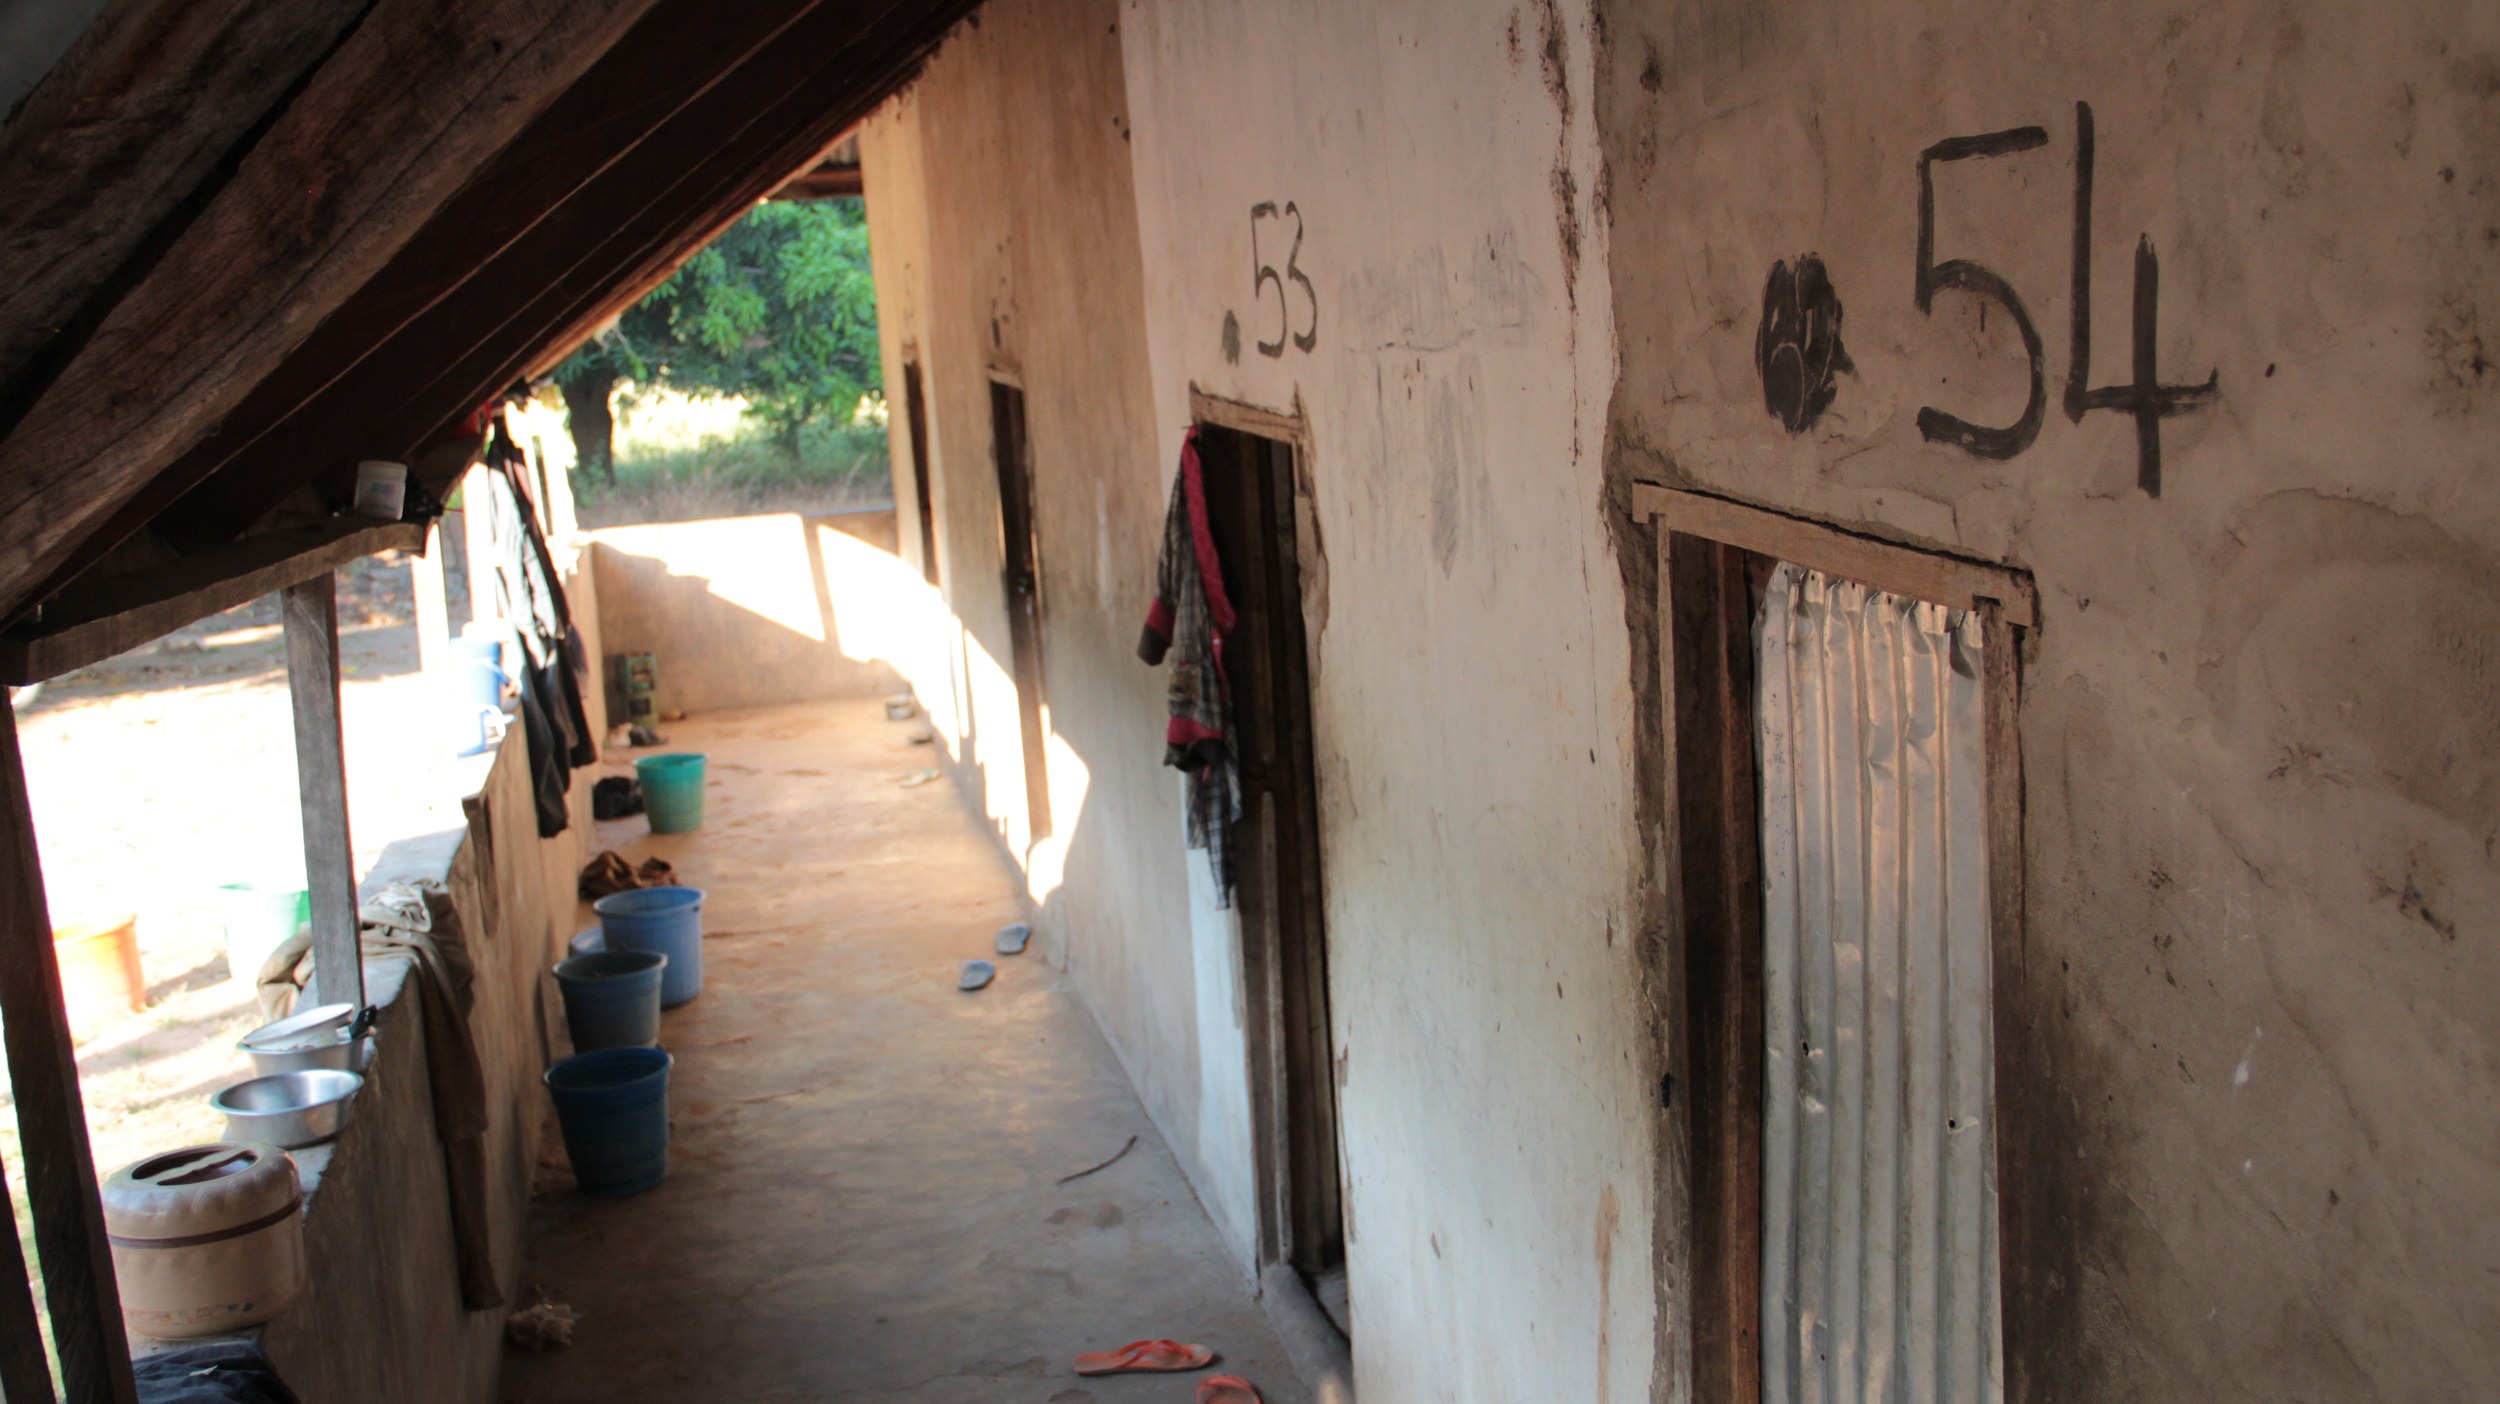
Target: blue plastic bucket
[672,791]
[613,1105]
[664,919]
[587,942]
[477,670]
[475,683]
[612,999]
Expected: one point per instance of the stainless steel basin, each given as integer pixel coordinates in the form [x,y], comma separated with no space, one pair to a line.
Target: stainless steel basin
[290,1109]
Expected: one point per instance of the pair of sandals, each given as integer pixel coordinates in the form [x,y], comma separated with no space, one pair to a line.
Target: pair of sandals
[977,973]
[1170,1356]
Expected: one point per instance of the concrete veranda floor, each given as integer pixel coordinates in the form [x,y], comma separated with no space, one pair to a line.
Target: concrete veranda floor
[862,1202]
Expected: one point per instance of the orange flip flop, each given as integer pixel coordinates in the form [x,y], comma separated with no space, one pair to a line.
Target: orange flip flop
[1227,1389]
[1144,1356]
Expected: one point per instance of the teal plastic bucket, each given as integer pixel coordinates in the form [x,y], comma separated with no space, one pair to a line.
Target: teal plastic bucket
[612,999]
[258,918]
[664,919]
[613,1106]
[672,791]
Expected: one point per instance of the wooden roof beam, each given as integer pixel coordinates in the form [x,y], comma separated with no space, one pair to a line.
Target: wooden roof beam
[621,233]
[824,182]
[420,94]
[121,143]
[678,51]
[896,58]
[99,619]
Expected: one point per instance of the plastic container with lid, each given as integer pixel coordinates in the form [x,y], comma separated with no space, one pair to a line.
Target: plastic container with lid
[206,1239]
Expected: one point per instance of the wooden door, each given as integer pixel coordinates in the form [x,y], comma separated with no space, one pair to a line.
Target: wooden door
[1023,587]
[916,420]
[1275,854]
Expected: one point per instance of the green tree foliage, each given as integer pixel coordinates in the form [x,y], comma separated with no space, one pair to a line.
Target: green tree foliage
[781,309]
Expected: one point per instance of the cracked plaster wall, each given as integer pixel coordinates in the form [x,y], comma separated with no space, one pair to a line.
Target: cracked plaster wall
[1449,341]
[2259,728]
[1004,236]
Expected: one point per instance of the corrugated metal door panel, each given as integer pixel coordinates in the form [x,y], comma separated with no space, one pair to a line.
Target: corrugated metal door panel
[1879,1272]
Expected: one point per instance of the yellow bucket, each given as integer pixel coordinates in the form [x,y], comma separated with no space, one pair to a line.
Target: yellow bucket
[100,976]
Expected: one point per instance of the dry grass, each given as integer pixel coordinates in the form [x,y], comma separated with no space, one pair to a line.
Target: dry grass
[681,460]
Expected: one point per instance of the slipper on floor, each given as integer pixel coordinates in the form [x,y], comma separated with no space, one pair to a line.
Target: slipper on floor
[1011,939]
[1227,1389]
[1145,1355]
[976,973]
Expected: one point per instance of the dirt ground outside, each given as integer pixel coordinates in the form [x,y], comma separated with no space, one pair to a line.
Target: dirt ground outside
[161,774]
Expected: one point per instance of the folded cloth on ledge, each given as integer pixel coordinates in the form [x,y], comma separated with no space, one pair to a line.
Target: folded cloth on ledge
[439,949]
[400,904]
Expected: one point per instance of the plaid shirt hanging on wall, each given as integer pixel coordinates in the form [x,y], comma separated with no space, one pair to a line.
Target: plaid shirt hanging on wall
[1189,621]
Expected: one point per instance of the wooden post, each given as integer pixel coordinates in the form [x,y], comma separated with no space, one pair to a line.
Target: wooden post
[312,672]
[479,509]
[425,576]
[25,1371]
[52,1126]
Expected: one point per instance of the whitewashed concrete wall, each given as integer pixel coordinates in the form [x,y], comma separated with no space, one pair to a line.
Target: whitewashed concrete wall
[2261,724]
[1004,232]
[1470,661]
[1525,249]
[755,611]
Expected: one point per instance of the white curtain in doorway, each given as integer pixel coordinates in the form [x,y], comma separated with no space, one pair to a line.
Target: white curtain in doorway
[1879,1244]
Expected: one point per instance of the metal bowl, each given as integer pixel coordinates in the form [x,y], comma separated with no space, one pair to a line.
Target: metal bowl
[317,1038]
[345,1055]
[289,1109]
[322,1024]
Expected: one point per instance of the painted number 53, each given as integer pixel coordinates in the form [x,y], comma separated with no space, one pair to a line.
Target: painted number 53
[1267,232]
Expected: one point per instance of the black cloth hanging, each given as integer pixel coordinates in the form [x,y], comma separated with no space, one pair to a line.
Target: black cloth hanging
[554,719]
[551,768]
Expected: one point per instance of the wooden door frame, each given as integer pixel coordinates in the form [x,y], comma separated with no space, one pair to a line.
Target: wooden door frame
[1026,657]
[1713,556]
[923,475]
[1275,1142]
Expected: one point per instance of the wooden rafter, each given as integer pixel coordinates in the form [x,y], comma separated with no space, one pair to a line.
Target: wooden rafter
[403,113]
[99,619]
[885,59]
[120,143]
[822,182]
[616,237]
[678,51]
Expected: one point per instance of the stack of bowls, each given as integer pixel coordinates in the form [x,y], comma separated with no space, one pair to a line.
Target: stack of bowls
[321,1037]
[309,1069]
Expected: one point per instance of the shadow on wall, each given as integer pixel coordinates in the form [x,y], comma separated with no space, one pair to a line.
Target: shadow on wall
[755,611]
